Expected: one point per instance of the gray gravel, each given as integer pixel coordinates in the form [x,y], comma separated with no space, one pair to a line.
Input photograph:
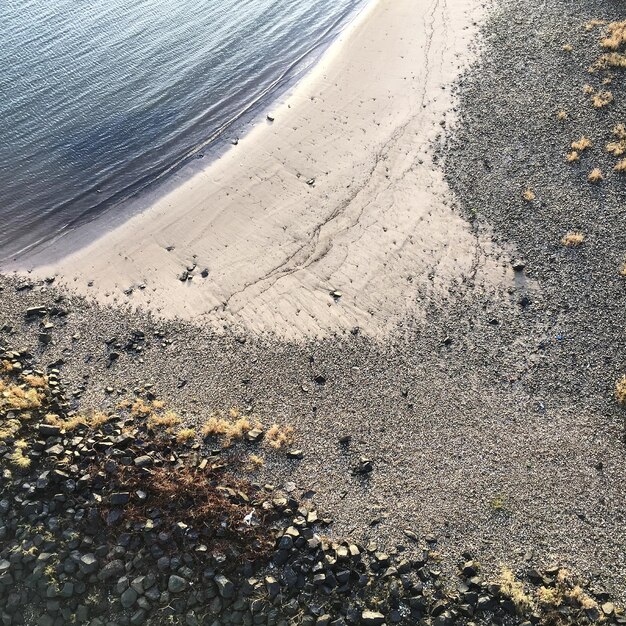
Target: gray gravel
[490,423]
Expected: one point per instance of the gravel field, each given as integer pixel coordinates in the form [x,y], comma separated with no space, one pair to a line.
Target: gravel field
[491,423]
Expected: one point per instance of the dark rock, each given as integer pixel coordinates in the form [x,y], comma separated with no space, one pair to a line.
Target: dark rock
[176,584]
[129,597]
[225,587]
[88,563]
[120,498]
[48,430]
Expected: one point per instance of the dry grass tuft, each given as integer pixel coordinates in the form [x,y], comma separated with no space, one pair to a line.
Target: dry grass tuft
[550,597]
[567,47]
[561,116]
[514,591]
[622,269]
[97,419]
[595,176]
[230,429]
[255,462]
[616,148]
[588,90]
[140,408]
[9,429]
[602,99]
[621,166]
[591,24]
[17,459]
[573,239]
[619,130]
[68,424]
[616,36]
[620,390]
[167,421]
[278,437]
[572,156]
[582,144]
[35,381]
[613,59]
[528,195]
[18,398]
[579,596]
[186,435]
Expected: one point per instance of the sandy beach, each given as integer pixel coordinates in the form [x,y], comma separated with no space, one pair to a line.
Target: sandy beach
[338,193]
[417,185]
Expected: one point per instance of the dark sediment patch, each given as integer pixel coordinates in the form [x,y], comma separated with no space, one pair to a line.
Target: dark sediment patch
[510,139]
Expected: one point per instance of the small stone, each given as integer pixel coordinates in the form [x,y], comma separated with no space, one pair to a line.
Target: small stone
[33,311]
[225,588]
[88,563]
[114,569]
[120,498]
[176,584]
[608,608]
[365,466]
[129,597]
[48,430]
[372,618]
[255,435]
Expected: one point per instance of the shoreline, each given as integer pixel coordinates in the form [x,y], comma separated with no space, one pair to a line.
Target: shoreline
[492,417]
[129,201]
[338,195]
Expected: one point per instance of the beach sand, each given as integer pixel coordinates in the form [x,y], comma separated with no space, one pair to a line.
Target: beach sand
[338,193]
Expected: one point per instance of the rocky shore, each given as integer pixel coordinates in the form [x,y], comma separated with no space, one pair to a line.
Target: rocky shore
[116,518]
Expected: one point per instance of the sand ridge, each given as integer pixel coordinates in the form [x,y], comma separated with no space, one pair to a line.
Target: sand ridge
[339,192]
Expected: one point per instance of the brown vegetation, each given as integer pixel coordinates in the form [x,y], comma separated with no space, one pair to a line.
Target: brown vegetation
[595,176]
[582,144]
[620,390]
[212,500]
[573,239]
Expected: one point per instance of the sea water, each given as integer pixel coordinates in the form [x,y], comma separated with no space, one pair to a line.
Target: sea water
[99,99]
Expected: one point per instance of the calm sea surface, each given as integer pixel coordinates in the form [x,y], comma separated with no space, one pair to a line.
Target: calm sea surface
[100,98]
